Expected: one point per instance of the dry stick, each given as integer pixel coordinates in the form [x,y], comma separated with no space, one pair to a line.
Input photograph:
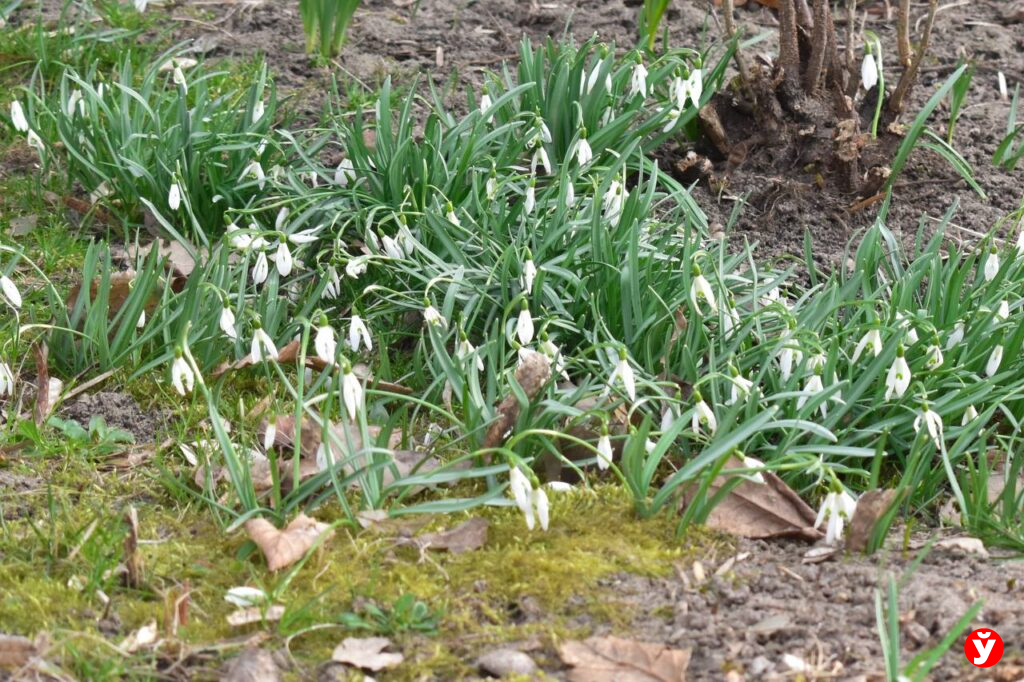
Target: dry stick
[730,33]
[819,43]
[789,49]
[803,14]
[851,35]
[909,76]
[903,33]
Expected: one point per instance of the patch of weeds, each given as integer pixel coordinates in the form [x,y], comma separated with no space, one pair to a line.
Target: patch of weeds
[407,614]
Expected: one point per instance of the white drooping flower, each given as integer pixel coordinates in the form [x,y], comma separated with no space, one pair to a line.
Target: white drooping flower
[282,217]
[351,392]
[258,110]
[584,154]
[531,197]
[270,434]
[356,266]
[10,291]
[524,326]
[932,423]
[179,78]
[304,236]
[613,201]
[813,386]
[263,347]
[392,249]
[491,188]
[624,373]
[934,357]
[466,349]
[451,216]
[345,173]
[731,320]
[18,117]
[261,269]
[1003,90]
[911,332]
[970,414]
[227,323]
[36,142]
[872,339]
[869,71]
[1003,310]
[242,597]
[789,355]
[757,465]
[570,194]
[956,337]
[140,5]
[432,316]
[540,156]
[141,322]
[703,416]
[604,450]
[700,288]
[994,360]
[174,197]
[638,79]
[532,502]
[529,273]
[992,265]
[358,332]
[837,508]
[672,119]
[182,377]
[324,343]
[6,380]
[255,170]
[485,102]
[740,387]
[542,507]
[283,259]
[1020,242]
[897,381]
[74,104]
[692,88]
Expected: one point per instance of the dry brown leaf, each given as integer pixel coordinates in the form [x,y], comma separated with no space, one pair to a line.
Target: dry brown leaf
[465,537]
[282,548]
[179,261]
[366,653]
[871,506]
[120,289]
[255,614]
[760,510]
[142,638]
[253,665]
[16,651]
[963,544]
[132,559]
[613,659]
[531,375]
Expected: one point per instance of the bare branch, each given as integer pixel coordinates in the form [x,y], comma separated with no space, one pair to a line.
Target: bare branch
[909,76]
[903,32]
[789,48]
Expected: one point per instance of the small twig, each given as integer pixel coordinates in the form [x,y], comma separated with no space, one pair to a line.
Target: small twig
[730,34]
[903,33]
[819,43]
[851,35]
[909,76]
[789,47]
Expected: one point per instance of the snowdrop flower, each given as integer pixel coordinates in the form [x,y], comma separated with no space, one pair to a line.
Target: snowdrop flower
[491,187]
[543,131]
[466,349]
[283,259]
[74,104]
[6,380]
[141,322]
[358,332]
[812,386]
[541,156]
[257,111]
[702,416]
[570,194]
[333,286]
[182,377]
[692,88]
[261,269]
[970,414]
[174,197]
[869,72]
[522,490]
[345,173]
[730,318]
[304,236]
[529,272]
[432,316]
[668,417]
[263,347]
[613,201]
[1020,242]
[485,101]
[240,241]
[36,142]
[906,324]
[789,354]
[932,422]
[638,78]
[554,353]
[624,373]
[351,391]
[671,120]
[837,508]
[934,355]
[255,170]
[992,265]
[740,388]
[392,248]
[753,463]
[450,215]
[227,322]
[1003,311]
[282,216]
[524,325]
[270,435]
[956,336]
[10,291]
[140,5]
[356,267]
[179,78]
[541,505]
[701,288]
[872,339]
[1003,90]
[604,450]
[531,197]
[324,343]
[897,381]
[994,360]
[584,154]
[242,596]
[18,117]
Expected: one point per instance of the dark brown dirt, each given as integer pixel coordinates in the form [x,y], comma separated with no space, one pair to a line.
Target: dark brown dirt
[119,410]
